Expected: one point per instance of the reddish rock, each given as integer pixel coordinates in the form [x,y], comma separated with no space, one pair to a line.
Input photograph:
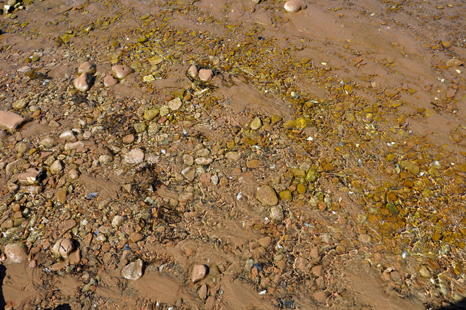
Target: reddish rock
[87,67]
[10,120]
[109,80]
[199,272]
[205,75]
[121,71]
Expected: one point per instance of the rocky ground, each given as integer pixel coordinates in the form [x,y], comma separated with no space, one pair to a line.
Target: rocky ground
[232,155]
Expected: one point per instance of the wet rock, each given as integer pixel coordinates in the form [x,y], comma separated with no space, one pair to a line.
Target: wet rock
[10,120]
[317,270]
[294,6]
[267,195]
[20,104]
[75,257]
[193,72]
[86,67]
[56,167]
[16,252]
[189,173]
[47,142]
[29,177]
[256,123]
[210,303]
[66,225]
[150,114]
[121,71]
[276,213]
[203,161]
[132,271]
[67,135]
[63,247]
[203,291]
[135,237]
[390,92]
[175,104]
[205,75]
[424,272]
[118,221]
[135,156]
[74,145]
[109,80]
[140,127]
[83,82]
[199,272]
[454,63]
[265,242]
[320,296]
[364,239]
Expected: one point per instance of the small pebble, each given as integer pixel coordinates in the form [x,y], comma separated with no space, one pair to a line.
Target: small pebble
[135,156]
[133,271]
[63,247]
[10,120]
[193,72]
[109,80]
[82,83]
[267,195]
[199,272]
[205,75]
[86,67]
[16,252]
[121,71]
[294,6]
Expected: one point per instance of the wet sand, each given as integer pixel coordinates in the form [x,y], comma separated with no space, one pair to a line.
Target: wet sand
[308,160]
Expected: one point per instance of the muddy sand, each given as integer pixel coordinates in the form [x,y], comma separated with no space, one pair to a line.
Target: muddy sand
[232,155]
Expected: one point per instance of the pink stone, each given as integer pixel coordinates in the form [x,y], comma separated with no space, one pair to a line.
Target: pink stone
[451,93]
[199,272]
[86,67]
[82,82]
[10,120]
[294,6]
[193,71]
[28,177]
[109,80]
[121,71]
[205,75]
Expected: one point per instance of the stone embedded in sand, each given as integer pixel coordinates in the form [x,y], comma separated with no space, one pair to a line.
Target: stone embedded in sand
[233,156]
[118,220]
[193,72]
[82,83]
[424,272]
[175,104]
[86,67]
[75,257]
[454,63]
[16,252]
[320,296]
[135,156]
[267,195]
[317,270]
[63,247]
[29,177]
[199,272]
[20,104]
[150,114]
[365,239]
[294,6]
[121,71]
[56,167]
[451,93]
[74,145]
[276,213]
[256,123]
[205,75]
[10,120]
[109,80]
[265,242]
[47,142]
[132,271]
[135,237]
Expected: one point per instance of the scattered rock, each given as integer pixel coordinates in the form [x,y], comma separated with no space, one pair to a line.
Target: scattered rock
[63,247]
[82,83]
[10,120]
[175,104]
[16,252]
[109,80]
[320,296]
[118,221]
[135,156]
[199,272]
[121,71]
[256,123]
[128,139]
[205,75]
[317,270]
[20,104]
[267,195]
[56,167]
[424,272]
[193,72]
[135,237]
[132,271]
[294,6]
[150,114]
[265,242]
[454,63]
[364,239]
[203,291]
[86,67]
[29,177]
[276,213]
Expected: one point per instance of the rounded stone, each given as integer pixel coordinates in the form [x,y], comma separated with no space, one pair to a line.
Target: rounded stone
[82,83]
[294,6]
[109,80]
[121,71]
[175,104]
[256,123]
[265,242]
[132,271]
[135,237]
[16,252]
[364,238]
[135,156]
[56,167]
[193,72]
[276,213]
[199,272]
[63,247]
[267,195]
[151,114]
[205,75]
[86,67]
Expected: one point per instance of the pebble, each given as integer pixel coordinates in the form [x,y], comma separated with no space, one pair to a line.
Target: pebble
[75,257]
[121,71]
[16,252]
[199,273]
[86,67]
[424,272]
[203,161]
[193,72]
[294,6]
[256,123]
[128,139]
[28,177]
[63,247]
[267,195]
[188,160]
[203,291]
[82,83]
[140,127]
[364,238]
[109,80]
[68,135]
[205,75]
[454,63]
[61,196]
[189,173]
[150,114]
[132,271]
[265,242]
[118,221]
[320,296]
[56,167]
[175,104]
[135,156]
[47,142]
[105,159]
[10,120]
[276,213]
[317,270]
[20,104]
[73,174]
[74,145]
[21,147]
[135,237]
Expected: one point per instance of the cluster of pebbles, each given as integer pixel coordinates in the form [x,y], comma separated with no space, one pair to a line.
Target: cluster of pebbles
[85,79]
